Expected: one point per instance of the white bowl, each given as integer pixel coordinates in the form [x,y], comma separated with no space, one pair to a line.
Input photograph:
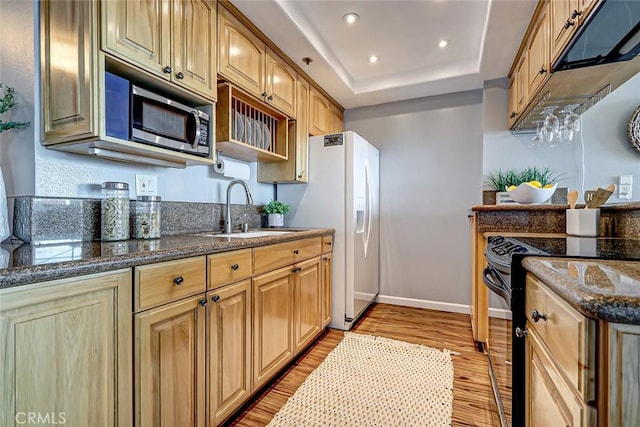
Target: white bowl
[526,194]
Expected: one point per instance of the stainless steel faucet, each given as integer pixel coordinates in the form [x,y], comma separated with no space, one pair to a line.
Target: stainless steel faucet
[227,216]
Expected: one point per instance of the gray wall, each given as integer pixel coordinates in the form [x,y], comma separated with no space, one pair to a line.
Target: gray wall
[31,169]
[430,175]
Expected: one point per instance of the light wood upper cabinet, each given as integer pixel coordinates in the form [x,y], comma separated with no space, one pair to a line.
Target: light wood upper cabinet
[280,89]
[272,324]
[241,54]
[538,55]
[318,113]
[170,364]
[307,300]
[177,44]
[67,350]
[518,90]
[336,122]
[69,70]
[296,168]
[229,330]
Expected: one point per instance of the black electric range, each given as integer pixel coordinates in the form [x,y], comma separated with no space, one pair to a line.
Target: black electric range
[505,276]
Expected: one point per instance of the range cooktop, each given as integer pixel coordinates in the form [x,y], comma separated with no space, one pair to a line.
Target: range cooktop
[585,247]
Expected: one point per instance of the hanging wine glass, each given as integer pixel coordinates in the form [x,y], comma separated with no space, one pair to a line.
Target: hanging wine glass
[550,127]
[537,138]
[571,122]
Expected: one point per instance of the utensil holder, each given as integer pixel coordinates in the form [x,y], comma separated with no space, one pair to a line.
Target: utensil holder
[583,222]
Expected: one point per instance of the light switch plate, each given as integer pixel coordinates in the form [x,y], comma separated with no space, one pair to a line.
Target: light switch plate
[146,185]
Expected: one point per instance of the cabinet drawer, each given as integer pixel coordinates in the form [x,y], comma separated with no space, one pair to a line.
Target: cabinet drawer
[568,335]
[327,243]
[164,282]
[228,267]
[270,257]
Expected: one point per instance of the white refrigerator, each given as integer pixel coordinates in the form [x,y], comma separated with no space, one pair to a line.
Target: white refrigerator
[342,193]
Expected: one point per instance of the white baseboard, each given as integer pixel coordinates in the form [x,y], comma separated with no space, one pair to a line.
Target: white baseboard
[499,313]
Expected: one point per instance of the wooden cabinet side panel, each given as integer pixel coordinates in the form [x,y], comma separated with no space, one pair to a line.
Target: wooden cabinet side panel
[138,31]
[623,382]
[327,282]
[67,351]
[229,315]
[195,45]
[272,324]
[169,361]
[68,70]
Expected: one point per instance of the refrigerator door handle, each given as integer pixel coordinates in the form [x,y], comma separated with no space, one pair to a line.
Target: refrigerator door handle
[368,207]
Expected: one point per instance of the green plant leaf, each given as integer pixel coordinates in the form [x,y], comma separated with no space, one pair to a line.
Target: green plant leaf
[7,102]
[276,207]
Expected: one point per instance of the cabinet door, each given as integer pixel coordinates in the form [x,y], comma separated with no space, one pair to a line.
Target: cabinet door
[307,302]
[522,84]
[229,323]
[513,101]
[69,71]
[281,84]
[241,54]
[549,401]
[563,23]
[194,46]
[620,392]
[67,351]
[272,324]
[318,113]
[170,364]
[538,56]
[139,32]
[327,274]
[336,123]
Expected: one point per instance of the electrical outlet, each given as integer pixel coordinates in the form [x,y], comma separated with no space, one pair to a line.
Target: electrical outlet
[624,191]
[146,185]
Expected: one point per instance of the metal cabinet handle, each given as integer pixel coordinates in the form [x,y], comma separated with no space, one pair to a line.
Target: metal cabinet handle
[542,70]
[270,98]
[521,333]
[234,267]
[325,258]
[264,94]
[178,280]
[180,75]
[203,302]
[575,13]
[329,243]
[568,24]
[166,69]
[299,175]
[296,269]
[513,114]
[536,315]
[215,298]
[296,252]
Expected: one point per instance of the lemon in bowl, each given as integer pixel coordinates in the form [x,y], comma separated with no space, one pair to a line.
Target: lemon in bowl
[531,192]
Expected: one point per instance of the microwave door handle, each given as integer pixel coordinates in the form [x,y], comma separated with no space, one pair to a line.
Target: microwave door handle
[196,138]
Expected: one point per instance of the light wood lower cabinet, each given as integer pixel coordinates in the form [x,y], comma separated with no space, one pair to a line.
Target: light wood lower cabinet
[67,351]
[307,288]
[229,325]
[170,364]
[327,282]
[272,323]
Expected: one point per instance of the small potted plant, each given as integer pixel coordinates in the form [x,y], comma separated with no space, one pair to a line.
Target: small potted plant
[276,211]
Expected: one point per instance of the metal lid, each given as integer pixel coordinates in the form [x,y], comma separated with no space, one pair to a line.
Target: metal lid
[148,198]
[115,185]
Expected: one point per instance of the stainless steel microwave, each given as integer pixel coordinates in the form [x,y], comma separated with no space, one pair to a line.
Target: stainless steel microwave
[136,114]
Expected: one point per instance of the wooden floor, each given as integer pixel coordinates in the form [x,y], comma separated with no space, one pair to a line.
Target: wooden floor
[473,403]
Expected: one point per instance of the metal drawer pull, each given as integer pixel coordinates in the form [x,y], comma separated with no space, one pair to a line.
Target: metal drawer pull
[203,302]
[329,243]
[296,269]
[178,280]
[296,252]
[215,298]
[325,258]
[536,315]
[234,266]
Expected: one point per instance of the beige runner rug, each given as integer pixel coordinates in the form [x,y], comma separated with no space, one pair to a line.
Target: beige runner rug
[374,381]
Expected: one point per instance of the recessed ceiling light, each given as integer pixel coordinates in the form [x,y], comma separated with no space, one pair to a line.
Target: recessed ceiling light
[443,43]
[350,18]
[373,59]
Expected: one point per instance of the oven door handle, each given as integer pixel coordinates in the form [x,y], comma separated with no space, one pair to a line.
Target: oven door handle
[494,282]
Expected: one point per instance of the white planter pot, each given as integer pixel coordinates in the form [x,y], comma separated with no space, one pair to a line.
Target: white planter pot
[276,220]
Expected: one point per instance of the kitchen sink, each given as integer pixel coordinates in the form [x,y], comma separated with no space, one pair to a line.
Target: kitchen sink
[250,234]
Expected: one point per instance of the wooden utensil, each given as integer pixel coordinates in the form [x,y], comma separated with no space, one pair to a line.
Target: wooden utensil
[600,197]
[572,198]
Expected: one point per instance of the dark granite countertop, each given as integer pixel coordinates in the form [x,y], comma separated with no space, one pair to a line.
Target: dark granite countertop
[36,263]
[601,289]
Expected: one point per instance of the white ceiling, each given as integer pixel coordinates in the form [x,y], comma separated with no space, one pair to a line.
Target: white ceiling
[483,37]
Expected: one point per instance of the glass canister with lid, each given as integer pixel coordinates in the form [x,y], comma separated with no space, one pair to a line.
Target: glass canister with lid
[115,211]
[147,217]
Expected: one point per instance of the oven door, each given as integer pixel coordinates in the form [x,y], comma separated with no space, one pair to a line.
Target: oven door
[498,282]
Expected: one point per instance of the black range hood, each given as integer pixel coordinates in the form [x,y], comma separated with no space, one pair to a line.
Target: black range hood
[612,34]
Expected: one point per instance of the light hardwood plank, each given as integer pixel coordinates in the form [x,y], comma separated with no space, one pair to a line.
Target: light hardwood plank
[473,403]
